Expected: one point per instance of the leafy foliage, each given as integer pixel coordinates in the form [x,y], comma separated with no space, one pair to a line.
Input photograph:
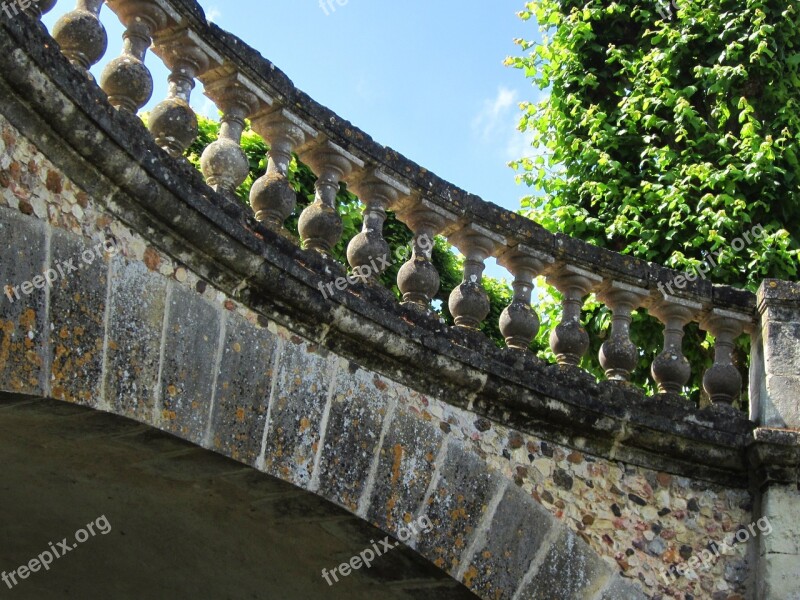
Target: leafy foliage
[398,236]
[669,132]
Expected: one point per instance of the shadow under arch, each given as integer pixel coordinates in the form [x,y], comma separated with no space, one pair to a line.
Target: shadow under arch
[184,522]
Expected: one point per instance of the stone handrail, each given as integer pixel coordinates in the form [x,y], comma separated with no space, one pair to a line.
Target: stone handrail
[244,85]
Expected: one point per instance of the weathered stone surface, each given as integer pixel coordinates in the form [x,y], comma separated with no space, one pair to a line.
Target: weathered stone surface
[781,406]
[23,320]
[187,373]
[136,324]
[242,394]
[779,300]
[619,589]
[77,319]
[301,391]
[405,470]
[460,498]
[358,407]
[782,348]
[778,577]
[173,513]
[781,509]
[510,544]
[570,571]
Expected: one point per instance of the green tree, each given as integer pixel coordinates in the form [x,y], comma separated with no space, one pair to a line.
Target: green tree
[670,130]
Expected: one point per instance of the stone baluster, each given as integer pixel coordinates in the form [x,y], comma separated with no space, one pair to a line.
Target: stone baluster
[723,382]
[670,369]
[320,225]
[469,303]
[418,279]
[368,252]
[37,8]
[81,35]
[618,354]
[519,323]
[173,123]
[126,80]
[569,340]
[224,163]
[272,198]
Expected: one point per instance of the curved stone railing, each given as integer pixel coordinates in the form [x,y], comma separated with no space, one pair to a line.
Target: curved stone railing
[244,85]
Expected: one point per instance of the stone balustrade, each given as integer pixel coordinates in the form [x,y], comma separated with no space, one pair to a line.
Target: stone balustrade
[245,86]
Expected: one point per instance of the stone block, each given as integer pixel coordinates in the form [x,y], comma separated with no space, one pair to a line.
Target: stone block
[619,589]
[190,356]
[780,406]
[23,320]
[570,571]
[358,408]
[782,348]
[460,498]
[781,511]
[136,323]
[515,535]
[405,469]
[242,393]
[77,319]
[778,578]
[301,391]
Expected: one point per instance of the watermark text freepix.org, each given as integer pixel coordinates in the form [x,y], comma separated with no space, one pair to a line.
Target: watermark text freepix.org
[738,244]
[713,551]
[58,550]
[329,6]
[12,8]
[376,266]
[667,8]
[367,556]
[60,271]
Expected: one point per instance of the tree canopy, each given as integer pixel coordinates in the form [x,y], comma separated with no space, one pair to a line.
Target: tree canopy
[667,138]
[667,132]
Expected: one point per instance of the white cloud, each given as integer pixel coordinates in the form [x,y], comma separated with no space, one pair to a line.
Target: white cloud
[496,125]
[213,14]
[494,116]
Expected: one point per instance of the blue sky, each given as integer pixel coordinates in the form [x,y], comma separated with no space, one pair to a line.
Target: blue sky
[424,77]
